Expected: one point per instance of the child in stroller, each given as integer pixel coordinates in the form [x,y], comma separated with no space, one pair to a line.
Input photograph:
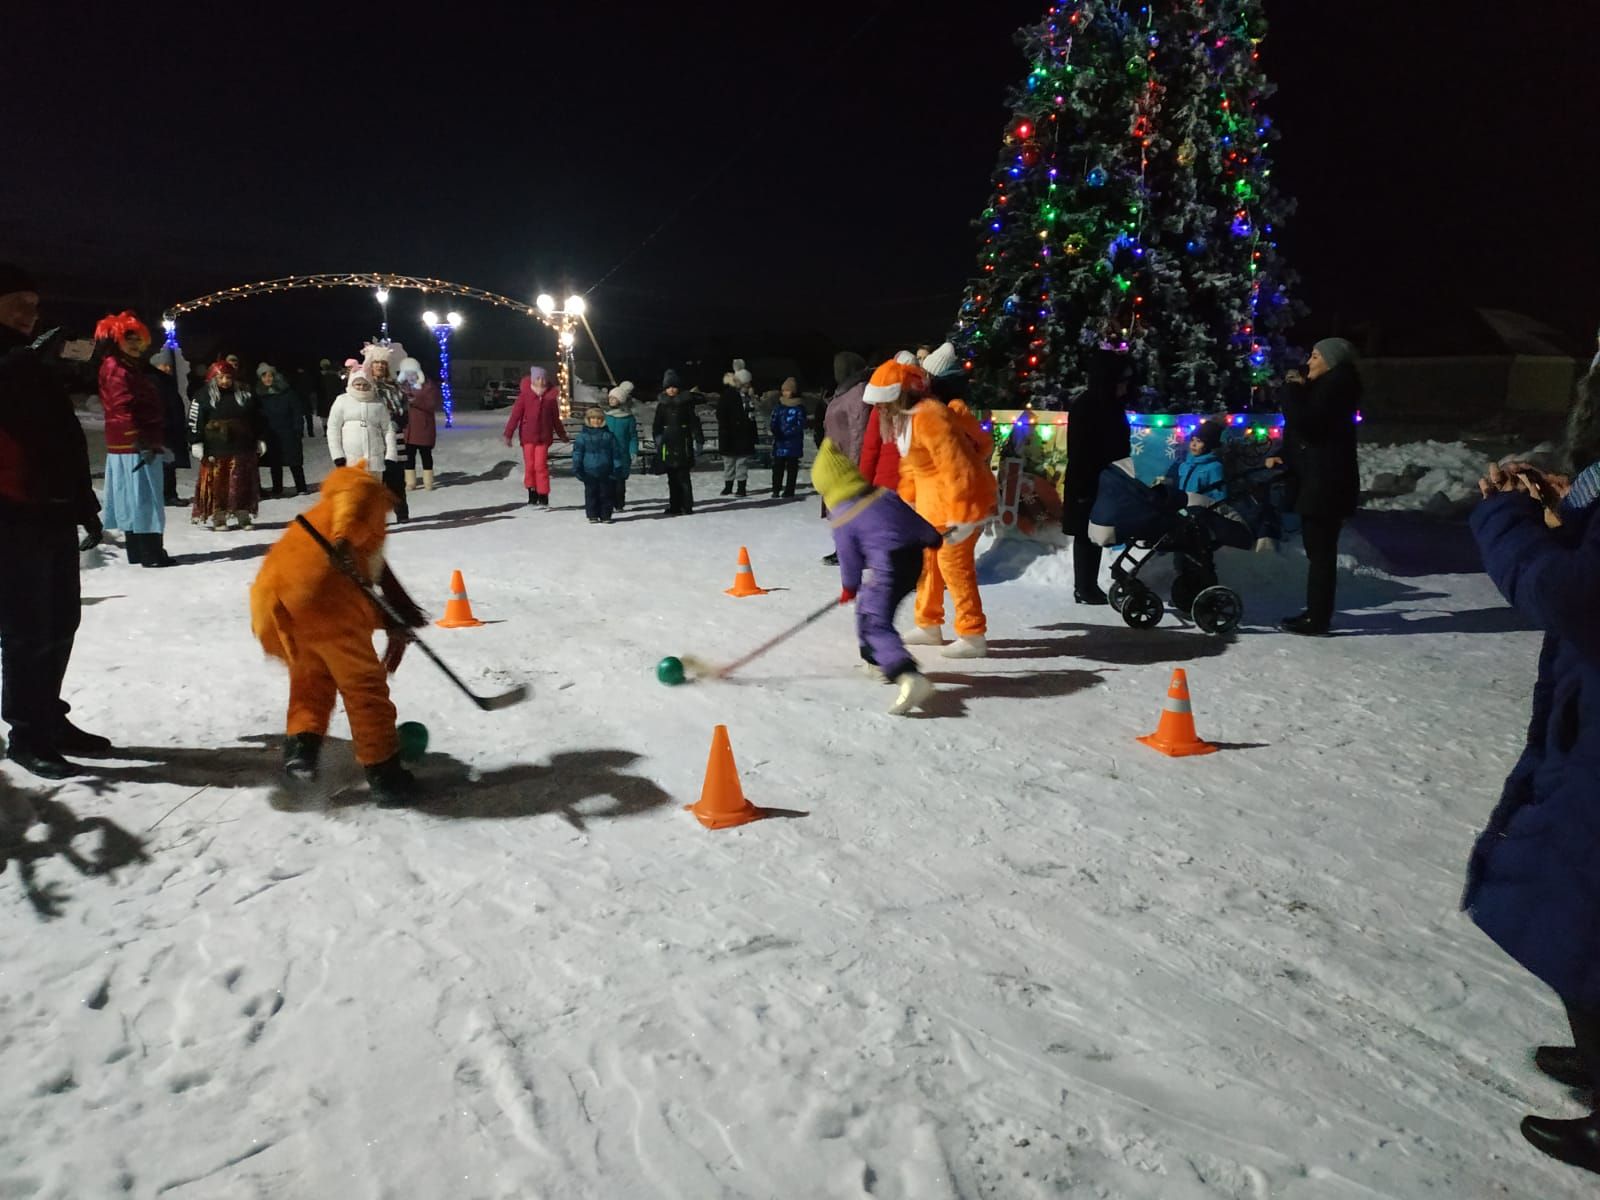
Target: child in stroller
[1163,519]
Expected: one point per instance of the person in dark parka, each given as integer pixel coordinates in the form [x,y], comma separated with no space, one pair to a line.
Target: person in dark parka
[1533,881]
[736,432]
[1097,436]
[175,416]
[285,415]
[678,437]
[1319,445]
[45,494]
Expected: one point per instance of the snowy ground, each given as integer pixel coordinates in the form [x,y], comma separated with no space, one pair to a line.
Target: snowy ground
[1007,952]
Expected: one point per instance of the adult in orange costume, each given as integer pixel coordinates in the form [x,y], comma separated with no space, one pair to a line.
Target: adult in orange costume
[945,476]
[306,611]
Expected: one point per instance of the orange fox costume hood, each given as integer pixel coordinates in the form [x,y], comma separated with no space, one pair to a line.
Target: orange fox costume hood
[299,594]
[944,467]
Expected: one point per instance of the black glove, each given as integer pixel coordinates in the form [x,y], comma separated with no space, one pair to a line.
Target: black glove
[404,606]
[94,534]
[338,462]
[344,557]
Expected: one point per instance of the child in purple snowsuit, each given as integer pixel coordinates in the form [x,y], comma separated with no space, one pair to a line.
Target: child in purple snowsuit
[880,541]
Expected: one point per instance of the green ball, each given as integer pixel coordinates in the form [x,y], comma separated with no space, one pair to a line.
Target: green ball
[413,740]
[670,671]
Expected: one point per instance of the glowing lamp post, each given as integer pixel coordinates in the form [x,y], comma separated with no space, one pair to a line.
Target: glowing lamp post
[383,307]
[566,320]
[441,334]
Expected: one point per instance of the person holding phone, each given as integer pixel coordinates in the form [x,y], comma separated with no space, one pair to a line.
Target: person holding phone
[1533,879]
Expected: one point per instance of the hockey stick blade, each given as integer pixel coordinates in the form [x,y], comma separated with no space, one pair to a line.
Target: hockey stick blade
[495,703]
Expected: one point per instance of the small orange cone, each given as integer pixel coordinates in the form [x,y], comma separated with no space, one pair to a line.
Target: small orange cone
[1175,735]
[744,580]
[458,609]
[722,803]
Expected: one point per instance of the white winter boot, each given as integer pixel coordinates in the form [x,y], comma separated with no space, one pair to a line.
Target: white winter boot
[915,691]
[925,635]
[427,480]
[411,481]
[870,672]
[972,646]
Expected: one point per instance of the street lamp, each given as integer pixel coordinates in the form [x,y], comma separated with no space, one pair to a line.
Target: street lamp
[565,321]
[441,334]
[383,306]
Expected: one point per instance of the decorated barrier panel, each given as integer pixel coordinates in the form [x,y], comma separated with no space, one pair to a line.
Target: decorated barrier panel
[1031,454]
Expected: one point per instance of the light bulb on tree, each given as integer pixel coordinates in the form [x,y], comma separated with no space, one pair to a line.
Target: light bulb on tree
[576,307]
[383,295]
[568,339]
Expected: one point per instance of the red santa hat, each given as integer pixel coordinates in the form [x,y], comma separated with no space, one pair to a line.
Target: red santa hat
[893,379]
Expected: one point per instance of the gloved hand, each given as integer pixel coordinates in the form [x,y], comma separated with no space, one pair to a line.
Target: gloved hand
[197,452]
[338,462]
[958,534]
[94,533]
[400,600]
[344,556]
[394,650]
[846,596]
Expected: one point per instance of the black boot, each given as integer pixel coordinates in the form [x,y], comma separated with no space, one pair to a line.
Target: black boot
[742,490]
[1090,596]
[69,739]
[1563,1064]
[43,761]
[1576,1142]
[831,559]
[1304,626]
[392,785]
[300,754]
[155,553]
[727,488]
[133,543]
[533,498]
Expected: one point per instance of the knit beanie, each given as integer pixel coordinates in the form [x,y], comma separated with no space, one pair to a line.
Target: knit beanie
[409,367]
[1336,351]
[942,361]
[539,377]
[845,364]
[622,393]
[669,379]
[835,477]
[1210,435]
[906,358]
[742,377]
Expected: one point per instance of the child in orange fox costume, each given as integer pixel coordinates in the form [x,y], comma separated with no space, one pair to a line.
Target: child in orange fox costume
[306,611]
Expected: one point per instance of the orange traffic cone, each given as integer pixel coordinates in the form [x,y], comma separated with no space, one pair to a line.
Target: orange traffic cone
[458,609]
[1175,735]
[722,803]
[744,580]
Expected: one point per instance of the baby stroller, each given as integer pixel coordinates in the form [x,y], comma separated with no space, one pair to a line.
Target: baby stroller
[1148,521]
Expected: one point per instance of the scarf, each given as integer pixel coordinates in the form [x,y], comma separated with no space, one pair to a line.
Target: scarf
[1585,489]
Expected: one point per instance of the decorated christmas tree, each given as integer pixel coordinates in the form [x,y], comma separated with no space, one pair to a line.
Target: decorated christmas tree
[1132,206]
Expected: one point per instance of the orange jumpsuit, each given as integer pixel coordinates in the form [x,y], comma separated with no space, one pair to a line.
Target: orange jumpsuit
[306,612]
[945,476]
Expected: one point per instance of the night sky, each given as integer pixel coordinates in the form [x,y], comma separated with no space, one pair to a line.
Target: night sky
[781,173]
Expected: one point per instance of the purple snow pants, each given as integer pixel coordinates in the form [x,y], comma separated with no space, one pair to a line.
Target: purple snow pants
[875,607]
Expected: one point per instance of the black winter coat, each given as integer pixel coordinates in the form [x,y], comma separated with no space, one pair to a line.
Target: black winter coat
[175,416]
[284,415]
[1097,436]
[736,431]
[1319,442]
[44,457]
[225,423]
[676,430]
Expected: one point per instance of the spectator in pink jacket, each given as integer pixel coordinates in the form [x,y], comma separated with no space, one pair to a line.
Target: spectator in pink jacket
[536,420]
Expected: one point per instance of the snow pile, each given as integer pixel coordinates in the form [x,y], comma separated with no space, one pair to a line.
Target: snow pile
[1004,951]
[1440,478]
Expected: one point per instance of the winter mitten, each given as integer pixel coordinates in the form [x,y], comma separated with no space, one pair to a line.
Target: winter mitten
[400,600]
[394,651]
[197,452]
[338,462]
[846,596]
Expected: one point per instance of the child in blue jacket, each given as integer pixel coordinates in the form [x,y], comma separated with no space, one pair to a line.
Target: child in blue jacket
[624,426]
[1201,471]
[597,460]
[788,438]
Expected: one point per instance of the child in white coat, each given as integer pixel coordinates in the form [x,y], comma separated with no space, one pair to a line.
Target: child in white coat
[359,427]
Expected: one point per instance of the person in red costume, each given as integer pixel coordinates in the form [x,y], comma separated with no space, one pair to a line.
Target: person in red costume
[136,434]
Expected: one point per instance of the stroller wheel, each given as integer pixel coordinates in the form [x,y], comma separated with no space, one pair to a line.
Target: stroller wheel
[1117,594]
[1141,608]
[1218,610]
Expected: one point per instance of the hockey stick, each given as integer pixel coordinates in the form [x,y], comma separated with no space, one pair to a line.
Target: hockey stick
[397,623]
[813,618]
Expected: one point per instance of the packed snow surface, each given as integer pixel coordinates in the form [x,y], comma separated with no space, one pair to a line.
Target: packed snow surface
[1005,951]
